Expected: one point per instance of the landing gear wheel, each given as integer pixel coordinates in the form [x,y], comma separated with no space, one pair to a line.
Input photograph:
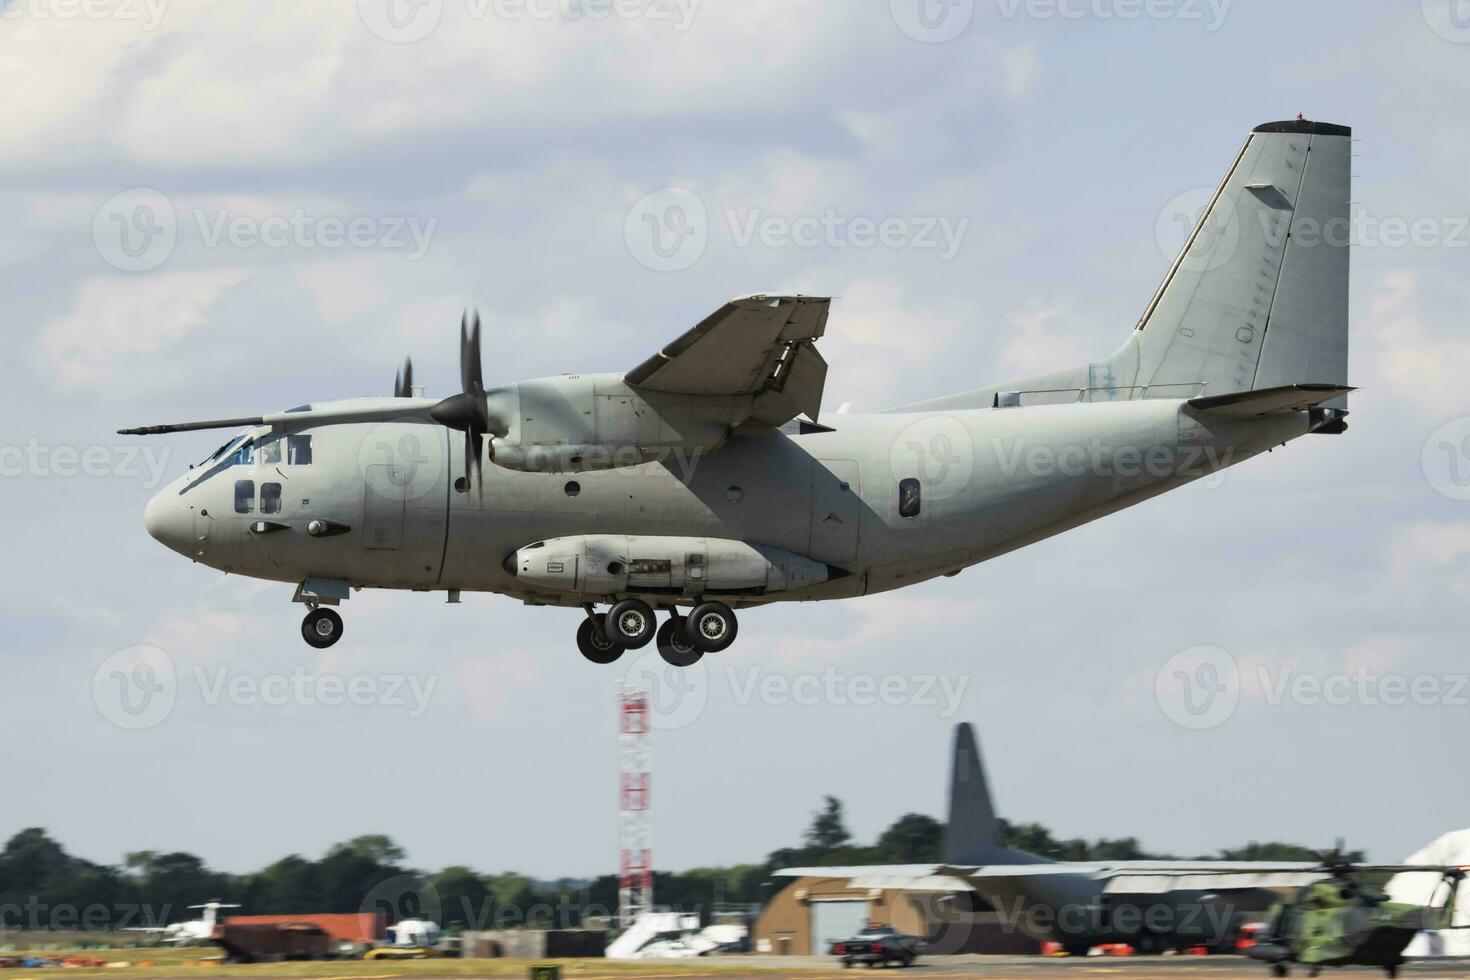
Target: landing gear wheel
[631,623]
[595,644]
[321,628]
[1280,970]
[712,626]
[674,643]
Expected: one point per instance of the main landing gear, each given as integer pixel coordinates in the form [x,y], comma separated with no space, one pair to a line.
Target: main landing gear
[630,625]
[322,627]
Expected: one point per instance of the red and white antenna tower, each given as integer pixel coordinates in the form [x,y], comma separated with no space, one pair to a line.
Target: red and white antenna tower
[635,824]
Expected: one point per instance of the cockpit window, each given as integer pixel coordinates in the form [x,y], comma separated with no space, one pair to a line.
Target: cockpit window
[222,450]
[244,455]
[268,450]
[298,450]
[244,496]
[270,498]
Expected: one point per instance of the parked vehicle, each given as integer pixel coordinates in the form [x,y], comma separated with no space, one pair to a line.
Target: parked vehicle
[878,944]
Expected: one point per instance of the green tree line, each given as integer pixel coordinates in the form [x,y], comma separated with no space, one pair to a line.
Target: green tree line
[44,887]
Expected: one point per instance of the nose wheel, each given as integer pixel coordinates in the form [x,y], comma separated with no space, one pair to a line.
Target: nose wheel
[321,628]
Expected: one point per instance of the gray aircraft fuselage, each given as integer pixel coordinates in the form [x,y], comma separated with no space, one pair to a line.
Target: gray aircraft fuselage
[989,480]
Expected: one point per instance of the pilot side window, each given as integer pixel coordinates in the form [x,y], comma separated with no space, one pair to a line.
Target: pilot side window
[269,450]
[298,450]
[244,496]
[908,498]
[270,498]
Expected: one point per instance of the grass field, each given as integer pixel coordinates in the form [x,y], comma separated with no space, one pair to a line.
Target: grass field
[153,964]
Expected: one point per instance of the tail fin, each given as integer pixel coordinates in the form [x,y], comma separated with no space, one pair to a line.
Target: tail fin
[1258,296]
[973,833]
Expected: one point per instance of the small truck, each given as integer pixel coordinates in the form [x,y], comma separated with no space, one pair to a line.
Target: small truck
[877,945]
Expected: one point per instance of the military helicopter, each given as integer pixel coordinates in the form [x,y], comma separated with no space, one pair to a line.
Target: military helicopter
[703,480]
[1342,920]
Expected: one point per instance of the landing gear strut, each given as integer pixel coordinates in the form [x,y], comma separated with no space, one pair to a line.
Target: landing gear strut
[322,627]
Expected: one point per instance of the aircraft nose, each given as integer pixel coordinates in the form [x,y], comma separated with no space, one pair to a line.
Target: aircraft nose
[167,521]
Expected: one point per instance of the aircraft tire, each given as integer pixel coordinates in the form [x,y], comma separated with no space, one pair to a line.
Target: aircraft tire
[674,644]
[595,644]
[631,623]
[321,628]
[712,626]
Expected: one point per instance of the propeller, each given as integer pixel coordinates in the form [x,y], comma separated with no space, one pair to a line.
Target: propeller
[403,384]
[467,410]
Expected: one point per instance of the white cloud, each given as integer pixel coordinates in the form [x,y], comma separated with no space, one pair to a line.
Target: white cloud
[116,318]
[1403,353]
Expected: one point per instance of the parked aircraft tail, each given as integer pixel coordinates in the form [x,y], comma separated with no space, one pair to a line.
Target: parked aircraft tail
[1257,298]
[973,835]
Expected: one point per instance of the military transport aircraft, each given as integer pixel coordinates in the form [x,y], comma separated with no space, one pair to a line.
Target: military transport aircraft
[1335,918]
[703,477]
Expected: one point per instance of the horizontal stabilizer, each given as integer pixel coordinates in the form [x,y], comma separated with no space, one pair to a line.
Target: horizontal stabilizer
[1263,401]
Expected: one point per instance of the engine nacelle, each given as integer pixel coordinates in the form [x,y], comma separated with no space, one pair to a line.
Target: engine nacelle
[574,423]
[614,564]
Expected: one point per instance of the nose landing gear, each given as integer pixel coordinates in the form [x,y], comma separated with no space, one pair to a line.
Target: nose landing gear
[322,627]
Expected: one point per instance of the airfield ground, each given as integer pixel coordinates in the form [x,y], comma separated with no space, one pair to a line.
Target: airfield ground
[171,965]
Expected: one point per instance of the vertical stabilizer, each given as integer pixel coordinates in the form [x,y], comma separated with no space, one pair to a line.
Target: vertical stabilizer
[973,833]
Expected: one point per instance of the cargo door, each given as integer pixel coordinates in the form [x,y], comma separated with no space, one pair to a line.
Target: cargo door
[836,511]
[383,505]
[836,919]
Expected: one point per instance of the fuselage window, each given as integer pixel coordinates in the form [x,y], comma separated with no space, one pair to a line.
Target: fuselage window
[270,498]
[269,451]
[244,496]
[298,450]
[908,498]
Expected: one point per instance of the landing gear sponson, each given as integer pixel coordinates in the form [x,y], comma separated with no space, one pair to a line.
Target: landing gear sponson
[682,640]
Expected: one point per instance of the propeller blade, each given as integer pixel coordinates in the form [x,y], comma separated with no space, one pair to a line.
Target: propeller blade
[403,384]
[467,411]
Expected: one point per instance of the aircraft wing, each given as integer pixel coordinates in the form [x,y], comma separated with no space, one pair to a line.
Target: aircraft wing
[761,345]
[1117,877]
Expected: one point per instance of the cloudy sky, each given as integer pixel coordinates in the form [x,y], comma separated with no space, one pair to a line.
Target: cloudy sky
[224,209]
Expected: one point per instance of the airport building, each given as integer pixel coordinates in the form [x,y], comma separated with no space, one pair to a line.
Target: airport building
[808,914]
